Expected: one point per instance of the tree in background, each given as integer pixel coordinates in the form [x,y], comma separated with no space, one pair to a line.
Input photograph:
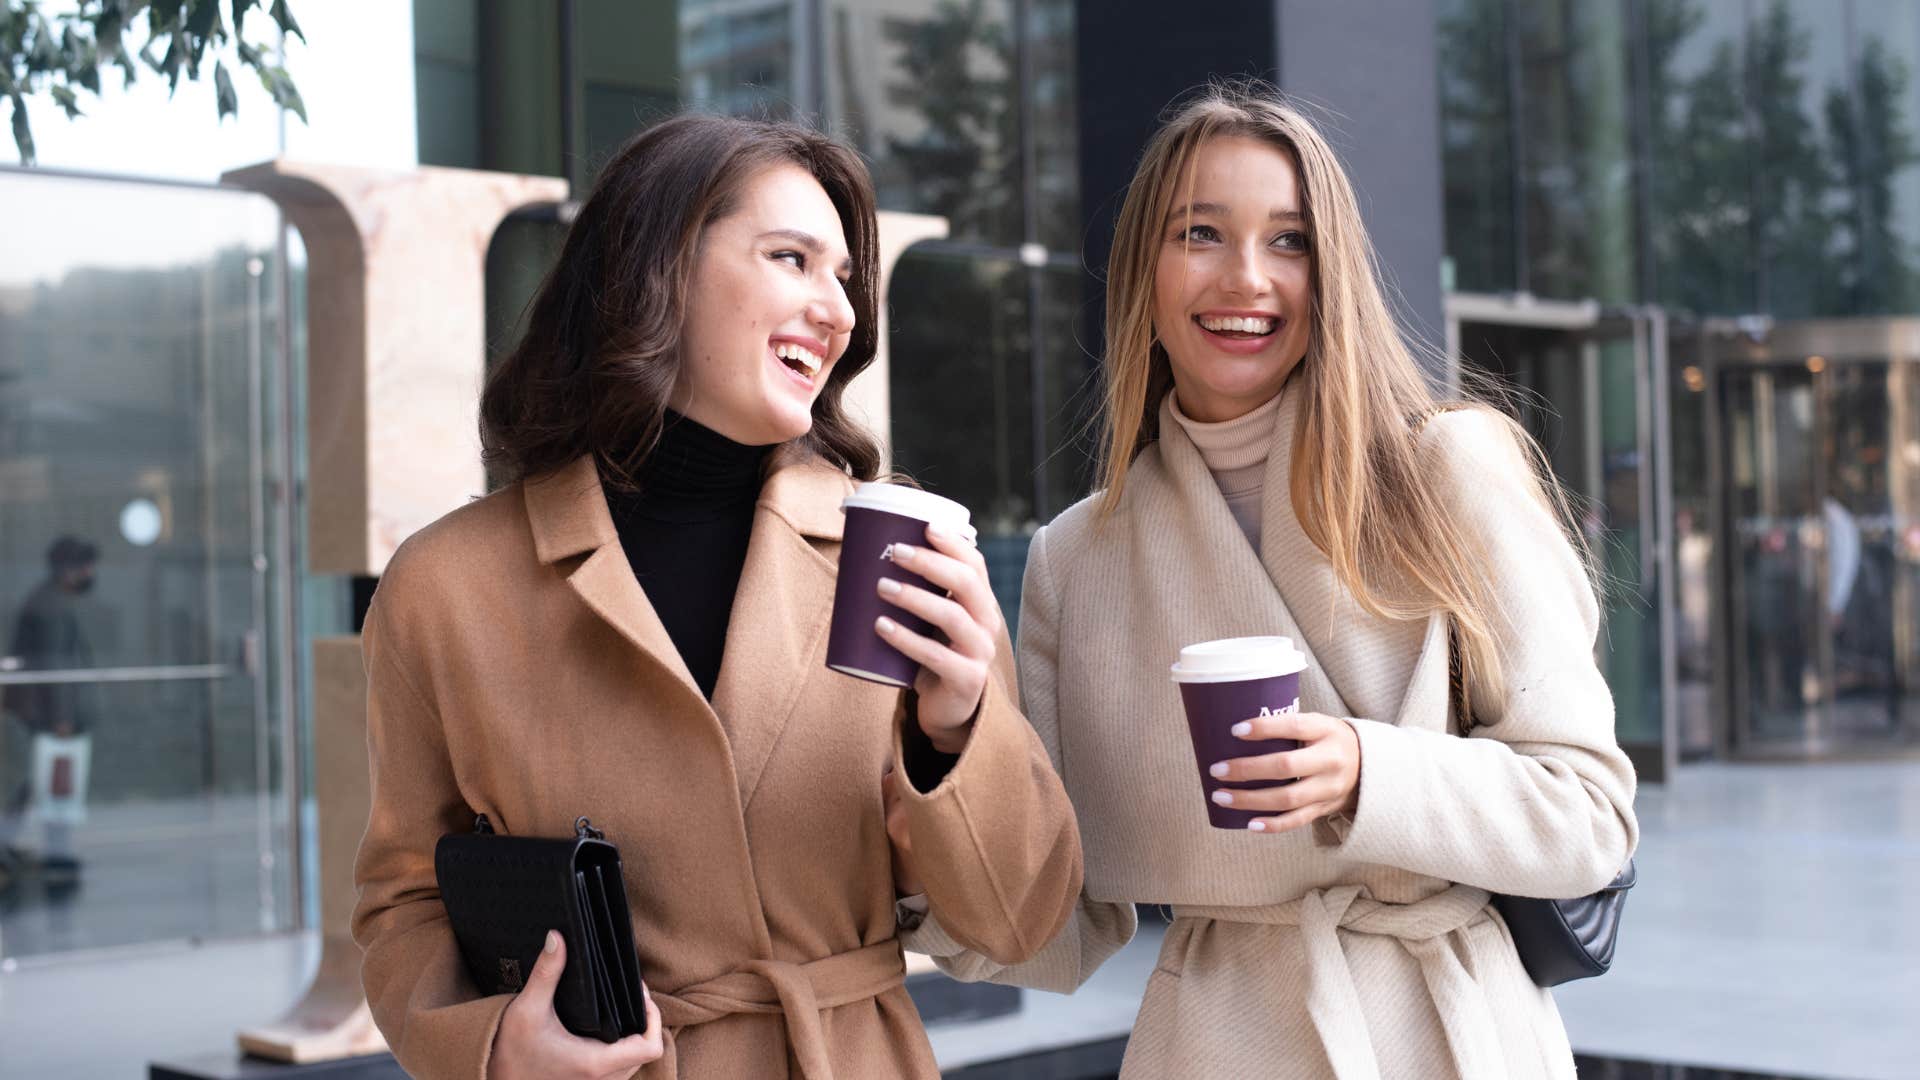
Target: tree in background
[63,53]
[1872,146]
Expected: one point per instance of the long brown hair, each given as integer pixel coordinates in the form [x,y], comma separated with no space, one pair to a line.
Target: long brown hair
[596,368]
[1358,485]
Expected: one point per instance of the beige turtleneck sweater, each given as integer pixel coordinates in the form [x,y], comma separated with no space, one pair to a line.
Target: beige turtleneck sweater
[1236,454]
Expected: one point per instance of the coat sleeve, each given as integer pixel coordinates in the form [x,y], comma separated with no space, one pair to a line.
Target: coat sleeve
[434,1018]
[1539,800]
[1092,931]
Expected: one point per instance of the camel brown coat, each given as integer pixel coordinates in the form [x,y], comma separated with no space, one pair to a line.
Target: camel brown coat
[517,670]
[1363,949]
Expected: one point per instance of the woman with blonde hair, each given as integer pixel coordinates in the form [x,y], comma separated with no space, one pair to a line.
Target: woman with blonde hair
[1276,464]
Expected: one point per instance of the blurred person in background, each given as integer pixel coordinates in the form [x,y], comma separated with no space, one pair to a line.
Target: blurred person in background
[49,634]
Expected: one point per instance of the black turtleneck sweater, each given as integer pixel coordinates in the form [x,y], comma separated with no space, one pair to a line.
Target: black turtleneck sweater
[685,534]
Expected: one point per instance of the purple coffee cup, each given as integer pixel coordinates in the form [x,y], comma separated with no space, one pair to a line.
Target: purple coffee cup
[878,517]
[1223,683]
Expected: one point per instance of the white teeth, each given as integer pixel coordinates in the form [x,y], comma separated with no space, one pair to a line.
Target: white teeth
[1242,325]
[812,361]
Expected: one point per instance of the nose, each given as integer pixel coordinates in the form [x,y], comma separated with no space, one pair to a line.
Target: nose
[1243,276]
[832,310]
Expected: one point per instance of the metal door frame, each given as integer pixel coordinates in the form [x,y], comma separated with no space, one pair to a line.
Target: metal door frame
[1646,327]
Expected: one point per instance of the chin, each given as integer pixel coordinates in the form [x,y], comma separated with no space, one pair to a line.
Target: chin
[787,427]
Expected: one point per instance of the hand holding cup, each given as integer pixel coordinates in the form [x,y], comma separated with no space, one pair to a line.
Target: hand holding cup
[913,606]
[1324,768]
[953,673]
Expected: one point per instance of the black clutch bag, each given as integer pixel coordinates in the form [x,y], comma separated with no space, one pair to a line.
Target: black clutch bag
[1558,940]
[502,895]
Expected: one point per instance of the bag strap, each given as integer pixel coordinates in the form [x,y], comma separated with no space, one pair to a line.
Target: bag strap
[1457,710]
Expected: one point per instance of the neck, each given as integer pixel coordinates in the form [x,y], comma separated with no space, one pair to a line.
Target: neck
[695,468]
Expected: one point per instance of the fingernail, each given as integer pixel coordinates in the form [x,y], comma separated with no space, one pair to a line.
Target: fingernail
[940,531]
[1242,729]
[1256,826]
[1224,798]
[884,625]
[889,587]
[902,552]
[553,941]
[1217,769]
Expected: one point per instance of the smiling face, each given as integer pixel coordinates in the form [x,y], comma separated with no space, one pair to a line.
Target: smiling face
[1232,290]
[768,315]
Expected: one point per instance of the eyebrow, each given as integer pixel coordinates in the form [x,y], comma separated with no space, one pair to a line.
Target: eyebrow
[814,245]
[1220,210]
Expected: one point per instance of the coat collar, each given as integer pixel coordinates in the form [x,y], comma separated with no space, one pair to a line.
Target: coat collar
[781,607]
[569,514]
[1358,664]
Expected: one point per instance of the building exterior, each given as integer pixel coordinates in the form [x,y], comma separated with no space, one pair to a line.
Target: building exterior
[1686,231]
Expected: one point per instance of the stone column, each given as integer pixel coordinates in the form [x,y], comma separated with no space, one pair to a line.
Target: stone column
[396,302]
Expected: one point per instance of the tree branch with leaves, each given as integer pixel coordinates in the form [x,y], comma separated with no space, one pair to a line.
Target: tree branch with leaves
[64,53]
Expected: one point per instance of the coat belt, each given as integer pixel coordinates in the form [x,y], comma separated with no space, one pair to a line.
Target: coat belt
[1333,1004]
[795,991]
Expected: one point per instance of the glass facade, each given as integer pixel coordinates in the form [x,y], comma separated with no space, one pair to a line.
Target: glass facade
[1744,173]
[146,671]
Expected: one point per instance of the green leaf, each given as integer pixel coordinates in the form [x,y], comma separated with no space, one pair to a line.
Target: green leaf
[46,47]
[249,55]
[107,35]
[63,97]
[203,20]
[240,8]
[228,101]
[163,17]
[22,134]
[284,16]
[280,85]
[175,58]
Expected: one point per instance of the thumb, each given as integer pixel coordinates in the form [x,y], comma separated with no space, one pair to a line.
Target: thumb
[546,971]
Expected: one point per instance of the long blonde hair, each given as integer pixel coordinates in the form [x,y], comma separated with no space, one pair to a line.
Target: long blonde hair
[1358,485]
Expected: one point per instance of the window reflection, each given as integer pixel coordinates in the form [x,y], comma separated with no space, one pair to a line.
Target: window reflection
[138,795]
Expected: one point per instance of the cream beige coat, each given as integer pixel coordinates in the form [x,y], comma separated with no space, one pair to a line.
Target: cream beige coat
[1352,950]
[517,670]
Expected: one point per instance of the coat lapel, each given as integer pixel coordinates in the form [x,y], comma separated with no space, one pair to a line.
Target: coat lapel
[781,611]
[1366,659]
[1213,564]
[1358,664]
[569,515]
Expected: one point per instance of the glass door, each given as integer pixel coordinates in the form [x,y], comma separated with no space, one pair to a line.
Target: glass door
[1590,387]
[1820,449]
[142,590]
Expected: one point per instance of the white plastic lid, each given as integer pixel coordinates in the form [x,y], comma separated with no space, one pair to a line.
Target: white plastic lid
[914,503]
[1234,659]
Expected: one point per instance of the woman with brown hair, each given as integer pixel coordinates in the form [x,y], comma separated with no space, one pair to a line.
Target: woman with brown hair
[634,628]
[1276,464]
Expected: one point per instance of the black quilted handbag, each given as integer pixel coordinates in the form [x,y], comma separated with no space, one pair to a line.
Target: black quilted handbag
[1558,940]
[502,895]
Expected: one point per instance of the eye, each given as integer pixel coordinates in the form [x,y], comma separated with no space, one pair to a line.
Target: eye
[796,259]
[1291,241]
[1201,234]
